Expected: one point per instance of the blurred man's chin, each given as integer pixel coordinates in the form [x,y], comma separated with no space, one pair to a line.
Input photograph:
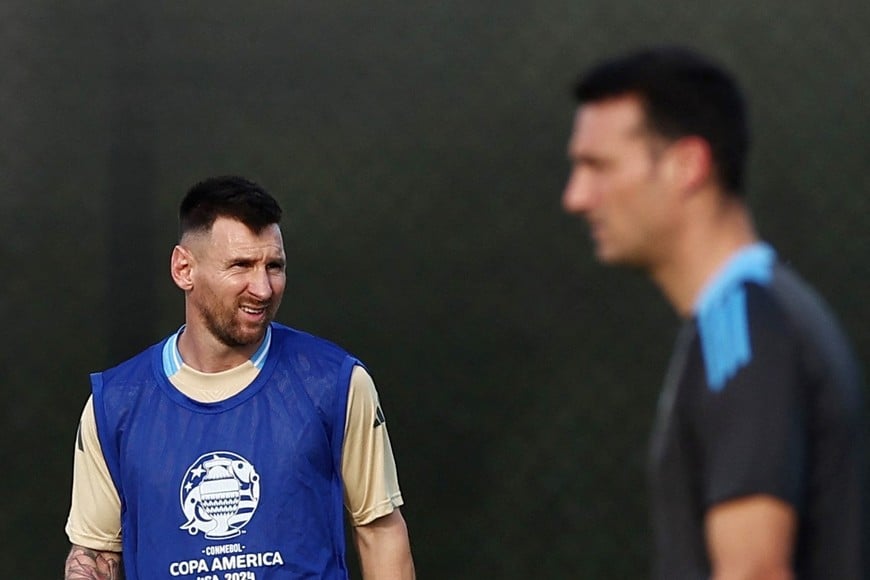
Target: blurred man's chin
[621,259]
[607,256]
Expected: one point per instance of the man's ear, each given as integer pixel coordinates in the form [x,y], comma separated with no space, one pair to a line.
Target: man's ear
[692,163]
[181,267]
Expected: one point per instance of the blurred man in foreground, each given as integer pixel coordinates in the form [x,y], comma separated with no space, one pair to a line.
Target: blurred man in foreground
[756,454]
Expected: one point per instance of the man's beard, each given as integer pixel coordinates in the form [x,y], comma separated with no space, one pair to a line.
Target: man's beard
[226,327]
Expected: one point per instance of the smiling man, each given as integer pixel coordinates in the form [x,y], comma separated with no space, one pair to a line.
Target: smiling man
[233,447]
[756,457]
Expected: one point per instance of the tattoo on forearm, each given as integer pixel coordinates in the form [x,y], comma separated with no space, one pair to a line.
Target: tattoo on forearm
[86,564]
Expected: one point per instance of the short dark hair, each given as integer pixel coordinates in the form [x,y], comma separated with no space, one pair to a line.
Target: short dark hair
[228,196]
[683,94]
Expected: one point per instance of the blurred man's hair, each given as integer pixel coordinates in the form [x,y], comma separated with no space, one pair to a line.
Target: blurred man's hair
[683,94]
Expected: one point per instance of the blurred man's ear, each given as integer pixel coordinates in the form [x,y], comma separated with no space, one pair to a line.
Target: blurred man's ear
[691,163]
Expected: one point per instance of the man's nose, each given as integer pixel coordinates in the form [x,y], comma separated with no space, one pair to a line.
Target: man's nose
[577,195]
[259,284]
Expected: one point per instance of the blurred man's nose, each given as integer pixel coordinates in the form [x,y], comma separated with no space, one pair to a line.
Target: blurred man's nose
[576,196]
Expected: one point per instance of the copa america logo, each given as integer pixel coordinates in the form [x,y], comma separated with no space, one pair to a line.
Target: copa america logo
[219,495]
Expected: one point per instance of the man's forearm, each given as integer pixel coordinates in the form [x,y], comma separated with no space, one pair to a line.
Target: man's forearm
[86,564]
[384,549]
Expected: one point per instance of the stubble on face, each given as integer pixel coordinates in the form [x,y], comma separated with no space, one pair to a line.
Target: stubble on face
[221,302]
[222,321]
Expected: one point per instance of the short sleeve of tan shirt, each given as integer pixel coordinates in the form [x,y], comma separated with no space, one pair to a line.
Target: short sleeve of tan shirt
[368,471]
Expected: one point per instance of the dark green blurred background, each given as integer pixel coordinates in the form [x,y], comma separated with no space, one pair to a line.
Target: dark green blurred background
[418,150]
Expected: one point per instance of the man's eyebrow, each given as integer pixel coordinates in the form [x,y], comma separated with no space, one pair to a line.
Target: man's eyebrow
[587,159]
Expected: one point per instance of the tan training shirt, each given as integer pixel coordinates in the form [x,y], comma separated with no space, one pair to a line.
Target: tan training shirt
[371,486]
